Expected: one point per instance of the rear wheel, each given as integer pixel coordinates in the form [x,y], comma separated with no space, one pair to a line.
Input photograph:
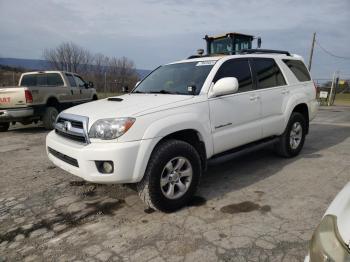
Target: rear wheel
[49,117]
[172,176]
[4,127]
[292,140]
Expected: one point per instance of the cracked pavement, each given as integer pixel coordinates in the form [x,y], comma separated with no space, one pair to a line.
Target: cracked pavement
[251,206]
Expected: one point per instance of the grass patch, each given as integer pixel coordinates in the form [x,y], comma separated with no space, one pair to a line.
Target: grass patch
[342,99]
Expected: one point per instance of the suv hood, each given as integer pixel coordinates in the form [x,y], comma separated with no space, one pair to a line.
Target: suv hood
[340,207]
[128,106]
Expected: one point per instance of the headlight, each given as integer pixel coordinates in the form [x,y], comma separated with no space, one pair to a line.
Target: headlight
[110,128]
[326,243]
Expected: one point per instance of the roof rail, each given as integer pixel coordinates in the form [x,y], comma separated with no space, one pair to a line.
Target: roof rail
[263,51]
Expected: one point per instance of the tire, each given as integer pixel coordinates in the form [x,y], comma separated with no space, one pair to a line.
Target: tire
[4,127]
[292,141]
[94,98]
[179,154]
[49,117]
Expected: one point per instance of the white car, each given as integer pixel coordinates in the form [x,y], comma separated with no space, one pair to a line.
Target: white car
[331,239]
[161,135]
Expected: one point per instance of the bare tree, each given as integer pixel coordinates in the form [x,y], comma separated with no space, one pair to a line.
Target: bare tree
[70,57]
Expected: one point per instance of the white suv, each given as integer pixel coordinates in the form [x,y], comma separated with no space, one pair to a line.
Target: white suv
[162,134]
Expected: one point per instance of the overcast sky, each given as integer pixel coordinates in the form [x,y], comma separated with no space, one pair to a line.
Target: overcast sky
[153,32]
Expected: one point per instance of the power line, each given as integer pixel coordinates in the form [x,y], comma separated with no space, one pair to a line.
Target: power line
[330,53]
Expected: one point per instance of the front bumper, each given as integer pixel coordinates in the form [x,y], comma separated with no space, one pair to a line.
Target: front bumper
[8,115]
[125,157]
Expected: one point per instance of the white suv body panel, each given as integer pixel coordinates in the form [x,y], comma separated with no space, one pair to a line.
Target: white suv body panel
[222,123]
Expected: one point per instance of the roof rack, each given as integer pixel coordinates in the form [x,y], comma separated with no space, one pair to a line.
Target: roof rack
[263,51]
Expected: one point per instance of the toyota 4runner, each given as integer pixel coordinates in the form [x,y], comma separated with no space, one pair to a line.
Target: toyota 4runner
[162,134]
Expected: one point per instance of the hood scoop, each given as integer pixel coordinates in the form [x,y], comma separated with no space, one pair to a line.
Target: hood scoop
[116,99]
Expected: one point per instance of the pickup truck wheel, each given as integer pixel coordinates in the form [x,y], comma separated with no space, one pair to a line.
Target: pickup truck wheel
[4,127]
[49,117]
[292,140]
[172,176]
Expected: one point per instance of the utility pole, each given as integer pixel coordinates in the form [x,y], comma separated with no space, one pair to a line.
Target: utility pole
[105,84]
[330,97]
[312,50]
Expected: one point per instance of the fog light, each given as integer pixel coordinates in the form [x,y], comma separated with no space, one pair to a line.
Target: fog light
[105,167]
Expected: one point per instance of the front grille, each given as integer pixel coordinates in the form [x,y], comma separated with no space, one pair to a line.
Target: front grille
[63,157]
[72,127]
[76,124]
[71,137]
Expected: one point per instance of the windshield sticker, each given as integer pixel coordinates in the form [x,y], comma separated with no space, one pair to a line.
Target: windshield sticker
[206,63]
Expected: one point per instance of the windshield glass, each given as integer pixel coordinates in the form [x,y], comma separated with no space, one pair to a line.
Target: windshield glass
[182,78]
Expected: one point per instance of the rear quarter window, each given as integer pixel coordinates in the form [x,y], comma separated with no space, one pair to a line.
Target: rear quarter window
[268,73]
[299,69]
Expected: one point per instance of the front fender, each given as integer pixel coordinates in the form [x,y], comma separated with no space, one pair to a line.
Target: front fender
[164,127]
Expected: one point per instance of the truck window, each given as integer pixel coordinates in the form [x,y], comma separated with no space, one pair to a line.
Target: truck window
[268,73]
[54,79]
[71,80]
[299,70]
[238,68]
[41,80]
[79,81]
[28,80]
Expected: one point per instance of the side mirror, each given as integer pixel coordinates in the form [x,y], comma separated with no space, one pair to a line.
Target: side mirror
[259,42]
[137,83]
[91,84]
[125,89]
[224,86]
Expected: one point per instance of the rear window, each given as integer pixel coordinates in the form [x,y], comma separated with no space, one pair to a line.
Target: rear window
[28,80]
[49,79]
[299,70]
[268,73]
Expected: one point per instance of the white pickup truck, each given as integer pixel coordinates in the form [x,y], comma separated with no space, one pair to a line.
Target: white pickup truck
[162,134]
[41,96]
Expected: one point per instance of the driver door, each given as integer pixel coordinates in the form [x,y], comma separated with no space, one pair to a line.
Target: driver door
[235,118]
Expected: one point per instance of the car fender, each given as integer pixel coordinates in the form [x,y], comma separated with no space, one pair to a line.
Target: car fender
[293,101]
[166,126]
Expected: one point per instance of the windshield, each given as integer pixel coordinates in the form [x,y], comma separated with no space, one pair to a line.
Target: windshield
[182,78]
[221,46]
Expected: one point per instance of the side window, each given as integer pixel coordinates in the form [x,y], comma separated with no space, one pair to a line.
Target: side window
[54,79]
[238,68]
[268,73]
[80,81]
[71,80]
[299,70]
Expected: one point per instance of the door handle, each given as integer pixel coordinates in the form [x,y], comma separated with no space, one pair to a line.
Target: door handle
[285,91]
[254,97]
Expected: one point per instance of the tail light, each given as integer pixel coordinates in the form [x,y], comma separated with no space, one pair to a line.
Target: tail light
[29,96]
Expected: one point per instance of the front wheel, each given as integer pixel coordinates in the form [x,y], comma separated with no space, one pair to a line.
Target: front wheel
[49,117]
[292,140]
[172,176]
[4,127]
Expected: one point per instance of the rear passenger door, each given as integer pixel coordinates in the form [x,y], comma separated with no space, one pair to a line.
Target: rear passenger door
[235,117]
[85,92]
[73,89]
[272,90]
